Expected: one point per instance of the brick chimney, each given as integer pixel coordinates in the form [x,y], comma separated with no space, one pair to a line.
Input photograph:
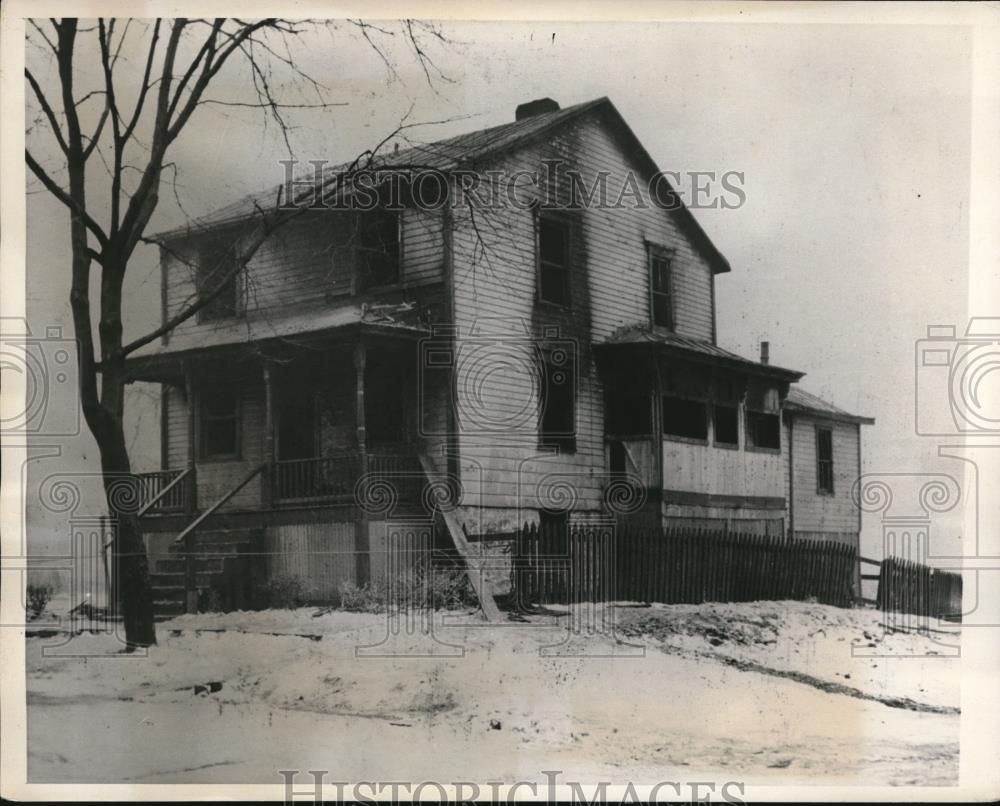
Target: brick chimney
[539,106]
[765,352]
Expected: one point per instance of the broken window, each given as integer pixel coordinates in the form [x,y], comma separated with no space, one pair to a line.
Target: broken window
[553,260]
[685,401]
[763,418]
[378,248]
[220,421]
[627,408]
[727,428]
[725,411]
[557,403]
[683,417]
[660,299]
[824,461]
[217,276]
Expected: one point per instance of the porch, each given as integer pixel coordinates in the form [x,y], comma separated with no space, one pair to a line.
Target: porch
[290,423]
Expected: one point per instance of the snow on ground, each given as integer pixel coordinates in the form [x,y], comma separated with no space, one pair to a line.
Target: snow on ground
[852,649]
[692,691]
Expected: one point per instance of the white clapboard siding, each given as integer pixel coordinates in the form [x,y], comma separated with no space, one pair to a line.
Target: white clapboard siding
[308,264]
[216,479]
[495,289]
[824,513]
[321,556]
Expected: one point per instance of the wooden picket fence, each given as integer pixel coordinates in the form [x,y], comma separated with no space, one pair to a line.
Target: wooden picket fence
[675,565]
[905,586]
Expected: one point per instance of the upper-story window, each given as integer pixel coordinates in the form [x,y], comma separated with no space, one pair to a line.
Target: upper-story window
[763,418]
[686,392]
[824,461]
[661,299]
[378,248]
[725,412]
[553,260]
[218,278]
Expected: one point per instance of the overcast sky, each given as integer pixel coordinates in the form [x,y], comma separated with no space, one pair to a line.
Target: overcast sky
[854,143]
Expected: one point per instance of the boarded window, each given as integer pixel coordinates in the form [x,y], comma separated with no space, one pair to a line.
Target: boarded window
[660,298]
[824,461]
[557,401]
[220,421]
[218,278]
[553,260]
[378,248]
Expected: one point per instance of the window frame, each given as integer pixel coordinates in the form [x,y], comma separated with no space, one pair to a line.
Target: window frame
[204,421]
[716,442]
[361,284]
[566,441]
[821,463]
[565,224]
[658,252]
[206,313]
[705,399]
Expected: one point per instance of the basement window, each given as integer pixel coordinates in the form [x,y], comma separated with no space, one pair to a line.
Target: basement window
[557,402]
[378,248]
[824,461]
[553,260]
[220,422]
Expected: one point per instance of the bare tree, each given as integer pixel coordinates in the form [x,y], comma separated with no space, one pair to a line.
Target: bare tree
[133,139]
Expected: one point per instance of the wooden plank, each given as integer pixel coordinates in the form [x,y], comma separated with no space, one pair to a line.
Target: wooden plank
[473,565]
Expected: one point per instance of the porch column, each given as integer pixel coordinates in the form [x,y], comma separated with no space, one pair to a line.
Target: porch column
[192,444]
[267,487]
[361,542]
[190,572]
[658,427]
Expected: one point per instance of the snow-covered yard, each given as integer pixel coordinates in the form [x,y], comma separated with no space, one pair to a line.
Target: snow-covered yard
[759,692]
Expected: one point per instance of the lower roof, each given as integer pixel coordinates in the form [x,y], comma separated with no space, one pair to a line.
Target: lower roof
[799,400]
[645,337]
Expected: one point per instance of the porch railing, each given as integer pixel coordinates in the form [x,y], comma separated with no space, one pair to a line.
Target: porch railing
[327,478]
[334,478]
[165,491]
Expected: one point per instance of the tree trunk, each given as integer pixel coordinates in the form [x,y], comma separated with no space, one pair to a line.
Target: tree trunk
[135,598]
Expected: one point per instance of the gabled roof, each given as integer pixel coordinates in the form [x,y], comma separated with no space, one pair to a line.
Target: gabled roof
[799,400]
[468,150]
[693,348]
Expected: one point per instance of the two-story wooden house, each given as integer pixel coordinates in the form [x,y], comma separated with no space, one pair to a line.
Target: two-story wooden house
[505,350]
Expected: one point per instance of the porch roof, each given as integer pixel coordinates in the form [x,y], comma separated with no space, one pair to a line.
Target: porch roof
[157,361]
[643,338]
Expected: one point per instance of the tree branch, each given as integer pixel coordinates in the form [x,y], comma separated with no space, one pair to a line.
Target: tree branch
[64,197]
